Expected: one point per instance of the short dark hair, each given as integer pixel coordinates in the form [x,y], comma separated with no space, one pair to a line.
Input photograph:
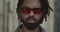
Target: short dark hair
[45,5]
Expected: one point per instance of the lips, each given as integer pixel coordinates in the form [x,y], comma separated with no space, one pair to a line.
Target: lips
[31,20]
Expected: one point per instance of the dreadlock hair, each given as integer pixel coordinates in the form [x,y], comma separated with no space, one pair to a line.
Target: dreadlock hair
[45,5]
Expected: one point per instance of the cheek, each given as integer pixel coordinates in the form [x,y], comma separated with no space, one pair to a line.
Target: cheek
[39,16]
[24,16]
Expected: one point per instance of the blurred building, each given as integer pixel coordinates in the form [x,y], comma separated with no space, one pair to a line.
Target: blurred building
[9,20]
[57,16]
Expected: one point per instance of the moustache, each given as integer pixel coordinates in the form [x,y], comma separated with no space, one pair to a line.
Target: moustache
[31,17]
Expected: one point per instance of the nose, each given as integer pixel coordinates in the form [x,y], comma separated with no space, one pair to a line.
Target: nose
[31,13]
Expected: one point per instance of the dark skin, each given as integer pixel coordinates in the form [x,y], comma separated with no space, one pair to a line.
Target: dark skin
[31,4]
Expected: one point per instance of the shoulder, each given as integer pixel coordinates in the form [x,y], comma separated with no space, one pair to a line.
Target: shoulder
[43,30]
[18,28]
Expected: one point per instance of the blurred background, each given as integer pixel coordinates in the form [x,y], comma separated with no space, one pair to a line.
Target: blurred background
[9,20]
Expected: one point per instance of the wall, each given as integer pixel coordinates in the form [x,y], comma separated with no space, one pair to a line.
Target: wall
[1,15]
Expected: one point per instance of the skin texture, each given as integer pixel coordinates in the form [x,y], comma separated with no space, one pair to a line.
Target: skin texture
[31,4]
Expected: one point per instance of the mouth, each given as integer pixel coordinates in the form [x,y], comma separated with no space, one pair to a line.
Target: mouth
[31,20]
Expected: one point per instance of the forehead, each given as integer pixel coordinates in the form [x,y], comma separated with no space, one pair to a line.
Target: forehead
[31,3]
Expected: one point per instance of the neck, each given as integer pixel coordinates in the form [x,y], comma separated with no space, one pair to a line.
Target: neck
[24,29]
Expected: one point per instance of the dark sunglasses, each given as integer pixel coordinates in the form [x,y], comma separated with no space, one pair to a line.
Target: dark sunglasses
[27,10]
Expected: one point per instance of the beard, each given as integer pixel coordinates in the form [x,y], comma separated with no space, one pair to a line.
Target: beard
[32,26]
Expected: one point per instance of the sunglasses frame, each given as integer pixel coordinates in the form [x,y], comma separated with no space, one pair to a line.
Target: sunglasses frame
[31,9]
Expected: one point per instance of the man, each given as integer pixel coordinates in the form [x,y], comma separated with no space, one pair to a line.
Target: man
[32,13]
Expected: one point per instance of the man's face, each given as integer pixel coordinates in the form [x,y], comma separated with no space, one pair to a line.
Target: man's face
[28,15]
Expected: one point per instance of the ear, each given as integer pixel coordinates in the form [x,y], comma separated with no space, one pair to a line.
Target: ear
[43,15]
[19,15]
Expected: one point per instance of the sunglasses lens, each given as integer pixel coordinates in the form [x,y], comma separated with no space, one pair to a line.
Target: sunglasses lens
[26,11]
[37,11]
